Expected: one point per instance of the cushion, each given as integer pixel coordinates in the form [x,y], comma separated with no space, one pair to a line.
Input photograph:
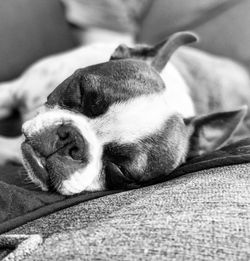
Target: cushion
[30,30]
[204,215]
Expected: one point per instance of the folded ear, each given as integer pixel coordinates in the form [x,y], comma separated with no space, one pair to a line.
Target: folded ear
[169,47]
[211,131]
[157,55]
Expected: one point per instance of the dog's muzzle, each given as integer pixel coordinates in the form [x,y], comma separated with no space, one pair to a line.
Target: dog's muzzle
[55,154]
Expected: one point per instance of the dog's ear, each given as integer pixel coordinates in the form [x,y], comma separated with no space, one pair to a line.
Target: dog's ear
[157,55]
[211,131]
[169,46]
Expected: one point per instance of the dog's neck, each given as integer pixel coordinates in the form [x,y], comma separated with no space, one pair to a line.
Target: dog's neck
[177,92]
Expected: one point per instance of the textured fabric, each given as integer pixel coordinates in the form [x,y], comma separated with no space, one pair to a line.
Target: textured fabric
[21,246]
[21,202]
[200,216]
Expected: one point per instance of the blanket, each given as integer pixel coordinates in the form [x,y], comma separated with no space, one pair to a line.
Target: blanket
[21,202]
[203,215]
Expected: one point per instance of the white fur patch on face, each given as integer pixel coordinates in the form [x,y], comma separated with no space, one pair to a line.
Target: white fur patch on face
[134,119]
[74,184]
[88,178]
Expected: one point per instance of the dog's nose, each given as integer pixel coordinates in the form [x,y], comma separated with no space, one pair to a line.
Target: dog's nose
[72,143]
[64,140]
[63,133]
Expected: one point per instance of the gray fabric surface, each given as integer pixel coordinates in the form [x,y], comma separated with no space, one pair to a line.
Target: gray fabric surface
[18,246]
[201,216]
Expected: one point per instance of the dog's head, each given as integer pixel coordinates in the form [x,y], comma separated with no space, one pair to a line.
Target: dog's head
[109,125]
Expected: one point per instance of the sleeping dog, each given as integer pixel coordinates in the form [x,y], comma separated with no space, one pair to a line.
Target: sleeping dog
[136,117]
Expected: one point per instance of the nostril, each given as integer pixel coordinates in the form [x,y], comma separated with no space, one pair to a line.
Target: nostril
[71,143]
[63,133]
[74,153]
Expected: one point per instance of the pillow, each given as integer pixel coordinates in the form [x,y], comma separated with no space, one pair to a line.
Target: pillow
[30,30]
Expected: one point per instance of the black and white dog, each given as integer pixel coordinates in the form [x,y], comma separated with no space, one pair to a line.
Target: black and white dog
[134,118]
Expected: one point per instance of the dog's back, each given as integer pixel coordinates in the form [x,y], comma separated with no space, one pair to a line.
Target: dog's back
[215,83]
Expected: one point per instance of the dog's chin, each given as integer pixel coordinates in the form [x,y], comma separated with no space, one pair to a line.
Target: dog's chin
[34,166]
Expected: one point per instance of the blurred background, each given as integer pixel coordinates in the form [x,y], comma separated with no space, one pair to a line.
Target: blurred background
[32,29]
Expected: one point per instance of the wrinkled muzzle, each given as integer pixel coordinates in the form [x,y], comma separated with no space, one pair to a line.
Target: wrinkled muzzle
[59,157]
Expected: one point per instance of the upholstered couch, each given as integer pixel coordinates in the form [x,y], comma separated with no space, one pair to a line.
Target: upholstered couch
[204,215]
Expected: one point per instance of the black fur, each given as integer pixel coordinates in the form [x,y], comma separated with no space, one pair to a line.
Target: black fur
[131,165]
[92,90]
[62,151]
